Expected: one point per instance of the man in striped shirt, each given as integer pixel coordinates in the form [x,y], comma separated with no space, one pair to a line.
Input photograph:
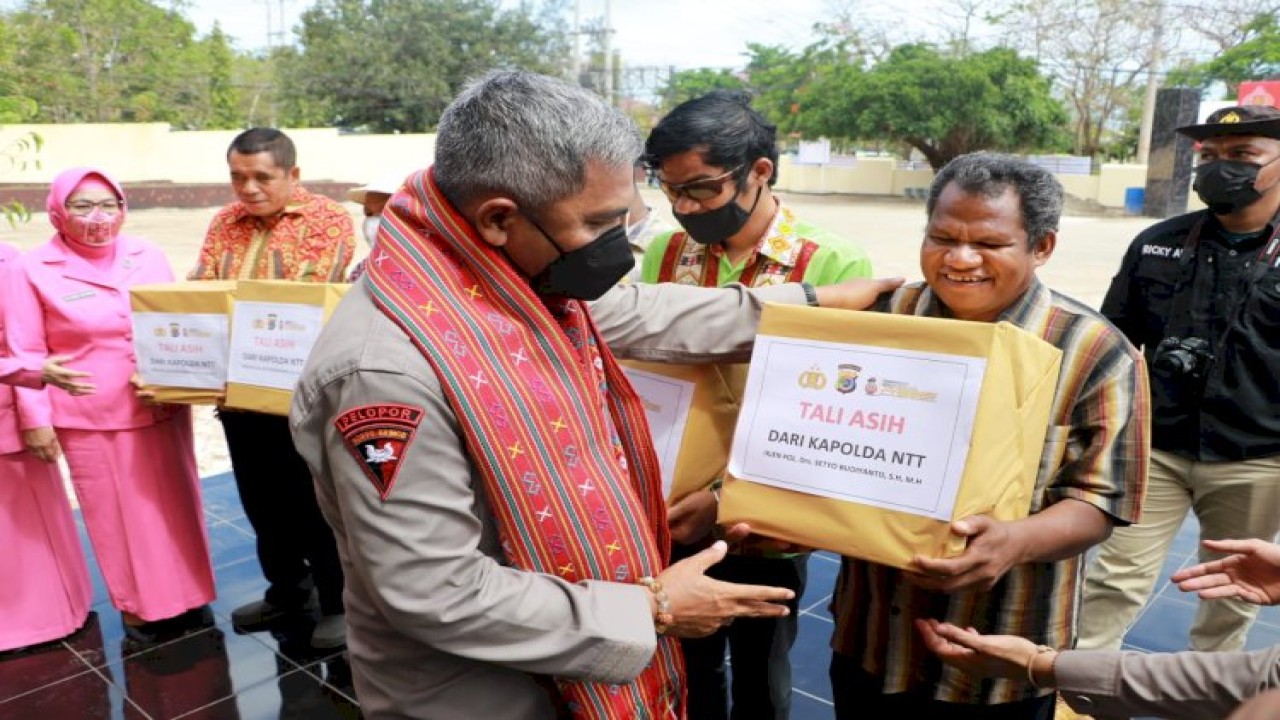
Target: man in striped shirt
[992,222]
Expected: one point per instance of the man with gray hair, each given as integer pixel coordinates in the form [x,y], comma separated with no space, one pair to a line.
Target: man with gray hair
[483,461]
[993,220]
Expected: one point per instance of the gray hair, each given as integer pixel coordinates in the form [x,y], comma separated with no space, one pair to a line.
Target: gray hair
[991,174]
[528,137]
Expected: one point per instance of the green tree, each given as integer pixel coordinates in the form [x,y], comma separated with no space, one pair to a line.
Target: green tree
[109,61]
[1095,51]
[254,76]
[18,152]
[1255,58]
[778,77]
[224,96]
[942,106]
[688,84]
[394,65]
[783,80]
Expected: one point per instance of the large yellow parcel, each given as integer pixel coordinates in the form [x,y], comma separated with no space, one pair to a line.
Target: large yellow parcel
[181,332]
[274,325]
[867,433]
[692,410]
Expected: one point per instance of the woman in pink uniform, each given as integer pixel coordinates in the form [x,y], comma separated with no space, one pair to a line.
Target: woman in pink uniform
[132,463]
[46,592]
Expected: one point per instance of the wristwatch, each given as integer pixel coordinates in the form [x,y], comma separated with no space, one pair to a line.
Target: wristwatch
[810,294]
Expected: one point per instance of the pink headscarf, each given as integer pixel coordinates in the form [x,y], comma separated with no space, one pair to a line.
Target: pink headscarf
[63,186]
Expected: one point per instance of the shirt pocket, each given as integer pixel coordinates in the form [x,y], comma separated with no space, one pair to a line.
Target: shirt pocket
[1053,455]
[1264,302]
[1159,283]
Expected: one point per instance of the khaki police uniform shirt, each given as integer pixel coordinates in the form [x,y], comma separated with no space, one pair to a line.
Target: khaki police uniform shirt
[438,625]
[1123,684]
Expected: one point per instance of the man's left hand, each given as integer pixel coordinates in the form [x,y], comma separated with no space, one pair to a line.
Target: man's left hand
[990,553]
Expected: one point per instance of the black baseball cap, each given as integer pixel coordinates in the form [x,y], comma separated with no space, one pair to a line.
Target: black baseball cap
[1258,120]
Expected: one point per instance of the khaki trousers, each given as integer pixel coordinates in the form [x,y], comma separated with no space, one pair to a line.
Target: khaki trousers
[1230,499]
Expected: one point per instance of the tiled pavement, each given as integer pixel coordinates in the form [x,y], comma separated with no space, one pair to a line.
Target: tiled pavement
[215,674]
[220,675]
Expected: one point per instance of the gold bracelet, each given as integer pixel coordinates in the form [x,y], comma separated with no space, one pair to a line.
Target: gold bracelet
[1040,650]
[663,619]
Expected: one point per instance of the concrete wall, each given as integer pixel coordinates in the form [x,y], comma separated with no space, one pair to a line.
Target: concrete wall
[1114,180]
[151,152]
[882,176]
[145,152]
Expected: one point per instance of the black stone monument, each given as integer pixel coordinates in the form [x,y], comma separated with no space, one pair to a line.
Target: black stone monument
[1172,156]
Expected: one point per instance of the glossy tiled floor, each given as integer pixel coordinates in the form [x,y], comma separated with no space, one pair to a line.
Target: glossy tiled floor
[220,675]
[1161,627]
[215,674]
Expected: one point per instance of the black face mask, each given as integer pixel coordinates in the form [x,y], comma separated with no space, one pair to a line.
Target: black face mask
[1227,186]
[716,226]
[588,272]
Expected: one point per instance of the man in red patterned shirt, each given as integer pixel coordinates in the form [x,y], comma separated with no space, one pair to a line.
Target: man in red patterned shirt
[276,230]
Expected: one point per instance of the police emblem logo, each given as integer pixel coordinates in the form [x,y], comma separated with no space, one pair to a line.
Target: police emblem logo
[377,437]
[847,378]
[812,379]
[1229,118]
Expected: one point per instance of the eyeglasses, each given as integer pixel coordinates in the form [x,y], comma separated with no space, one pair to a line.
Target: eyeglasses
[699,190]
[85,207]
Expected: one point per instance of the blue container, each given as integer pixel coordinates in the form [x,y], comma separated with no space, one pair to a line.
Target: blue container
[1134,198]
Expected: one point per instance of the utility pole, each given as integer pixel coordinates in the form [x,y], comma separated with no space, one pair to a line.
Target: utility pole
[275,31]
[275,40]
[1153,77]
[270,31]
[575,62]
[607,51]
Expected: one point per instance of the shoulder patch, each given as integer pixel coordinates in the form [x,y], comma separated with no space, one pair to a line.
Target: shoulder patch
[377,436]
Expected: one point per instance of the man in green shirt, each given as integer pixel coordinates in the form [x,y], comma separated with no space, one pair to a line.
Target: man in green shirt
[716,159]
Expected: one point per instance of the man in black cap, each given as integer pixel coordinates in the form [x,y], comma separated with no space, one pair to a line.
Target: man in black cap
[1200,294]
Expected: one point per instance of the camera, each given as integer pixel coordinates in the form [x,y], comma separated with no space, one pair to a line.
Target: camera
[1188,357]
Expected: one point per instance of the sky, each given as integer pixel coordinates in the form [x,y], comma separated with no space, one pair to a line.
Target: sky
[680,33]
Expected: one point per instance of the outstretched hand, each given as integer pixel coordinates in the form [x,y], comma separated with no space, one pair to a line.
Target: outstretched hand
[857,294]
[1251,572]
[1003,656]
[55,373]
[701,605]
[1263,706]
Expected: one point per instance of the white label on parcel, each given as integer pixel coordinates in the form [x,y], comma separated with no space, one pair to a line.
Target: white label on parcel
[181,350]
[270,342]
[666,403]
[872,425]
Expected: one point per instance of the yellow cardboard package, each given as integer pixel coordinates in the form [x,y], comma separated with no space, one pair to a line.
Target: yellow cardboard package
[181,334]
[867,434]
[273,327]
[692,410]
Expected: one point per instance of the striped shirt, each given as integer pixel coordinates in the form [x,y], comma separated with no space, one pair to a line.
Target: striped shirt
[312,240]
[1095,451]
